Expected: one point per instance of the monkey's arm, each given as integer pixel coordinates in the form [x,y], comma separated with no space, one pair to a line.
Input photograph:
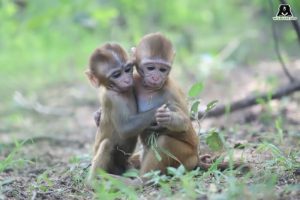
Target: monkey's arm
[126,123]
[97,116]
[130,126]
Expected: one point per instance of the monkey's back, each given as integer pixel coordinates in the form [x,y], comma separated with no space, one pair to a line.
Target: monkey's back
[107,129]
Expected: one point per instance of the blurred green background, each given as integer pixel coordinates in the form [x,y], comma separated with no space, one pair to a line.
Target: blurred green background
[45,98]
[45,43]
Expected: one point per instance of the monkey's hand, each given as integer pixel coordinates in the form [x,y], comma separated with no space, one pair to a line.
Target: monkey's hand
[163,116]
[97,117]
[171,120]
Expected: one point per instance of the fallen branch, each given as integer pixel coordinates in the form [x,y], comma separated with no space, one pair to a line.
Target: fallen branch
[23,102]
[281,92]
[252,100]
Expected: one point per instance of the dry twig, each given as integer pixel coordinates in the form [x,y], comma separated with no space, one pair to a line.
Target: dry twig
[252,100]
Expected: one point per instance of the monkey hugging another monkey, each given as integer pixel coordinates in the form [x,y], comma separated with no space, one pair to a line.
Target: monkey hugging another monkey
[116,137]
[148,105]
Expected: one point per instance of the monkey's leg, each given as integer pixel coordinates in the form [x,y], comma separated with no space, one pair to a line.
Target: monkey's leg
[135,160]
[102,158]
[173,153]
[97,141]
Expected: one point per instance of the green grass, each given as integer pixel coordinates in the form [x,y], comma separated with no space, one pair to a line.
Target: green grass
[12,160]
[257,183]
[260,182]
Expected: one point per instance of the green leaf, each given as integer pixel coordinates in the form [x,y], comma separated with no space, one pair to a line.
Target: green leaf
[181,169]
[132,173]
[196,89]
[194,108]
[214,141]
[172,170]
[157,155]
[179,172]
[211,105]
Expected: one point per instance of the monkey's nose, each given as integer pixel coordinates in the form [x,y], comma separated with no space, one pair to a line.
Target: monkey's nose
[154,78]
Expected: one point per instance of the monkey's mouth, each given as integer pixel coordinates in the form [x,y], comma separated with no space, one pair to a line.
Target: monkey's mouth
[127,86]
[154,84]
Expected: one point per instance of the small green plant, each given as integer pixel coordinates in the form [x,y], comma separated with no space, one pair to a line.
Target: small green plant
[214,140]
[131,173]
[78,175]
[178,183]
[196,89]
[11,160]
[44,183]
[278,126]
[272,83]
[289,162]
[109,187]
[176,173]
[78,170]
[194,109]
[152,142]
[265,104]
[155,177]
[74,160]
[211,105]
[186,180]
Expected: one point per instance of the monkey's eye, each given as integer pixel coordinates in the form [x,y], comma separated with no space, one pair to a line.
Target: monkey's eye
[163,69]
[116,75]
[151,68]
[128,69]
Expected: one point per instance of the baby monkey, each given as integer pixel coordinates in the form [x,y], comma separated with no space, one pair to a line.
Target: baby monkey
[110,71]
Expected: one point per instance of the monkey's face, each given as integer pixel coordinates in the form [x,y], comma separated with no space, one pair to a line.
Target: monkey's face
[120,79]
[154,74]
[109,67]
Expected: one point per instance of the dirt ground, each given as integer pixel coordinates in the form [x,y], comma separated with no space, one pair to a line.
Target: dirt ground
[59,130]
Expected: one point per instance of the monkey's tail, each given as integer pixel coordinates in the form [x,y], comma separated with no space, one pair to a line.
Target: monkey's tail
[206,161]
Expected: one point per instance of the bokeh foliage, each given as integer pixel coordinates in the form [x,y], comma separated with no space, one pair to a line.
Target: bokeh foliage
[46,42]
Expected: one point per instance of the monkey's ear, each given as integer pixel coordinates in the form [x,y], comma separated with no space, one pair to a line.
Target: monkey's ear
[133,55]
[132,50]
[92,78]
